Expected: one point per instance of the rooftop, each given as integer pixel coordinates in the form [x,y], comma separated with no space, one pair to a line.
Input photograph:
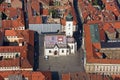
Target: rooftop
[27,74]
[91,14]
[96,46]
[20,63]
[39,13]
[83,76]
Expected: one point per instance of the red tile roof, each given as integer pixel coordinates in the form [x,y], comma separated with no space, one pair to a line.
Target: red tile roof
[90,53]
[111,30]
[11,12]
[112,6]
[10,33]
[18,2]
[106,26]
[25,34]
[47,75]
[10,63]
[83,76]
[25,63]
[37,76]
[102,35]
[44,2]
[90,14]
[35,20]
[97,45]
[28,74]
[63,22]
[66,77]
[17,62]
[8,24]
[1,78]
[116,25]
[45,12]
[35,5]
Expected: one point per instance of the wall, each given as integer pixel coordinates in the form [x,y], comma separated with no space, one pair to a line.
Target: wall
[61,52]
[11,38]
[69,28]
[10,54]
[106,69]
[19,28]
[46,52]
[9,68]
[73,47]
[64,51]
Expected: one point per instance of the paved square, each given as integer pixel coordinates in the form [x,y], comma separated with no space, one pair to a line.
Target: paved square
[60,64]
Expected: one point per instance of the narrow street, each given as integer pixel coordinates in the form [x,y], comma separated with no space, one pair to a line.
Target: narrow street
[78,34]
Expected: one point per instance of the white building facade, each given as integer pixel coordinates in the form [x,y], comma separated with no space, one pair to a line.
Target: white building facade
[59,45]
[103,69]
[69,28]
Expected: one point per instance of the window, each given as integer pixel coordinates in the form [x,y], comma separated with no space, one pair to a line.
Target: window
[72,47]
[62,51]
[69,24]
[49,51]
[67,51]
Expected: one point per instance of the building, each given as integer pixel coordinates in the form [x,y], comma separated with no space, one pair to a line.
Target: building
[55,19]
[17,44]
[102,48]
[84,76]
[25,75]
[12,16]
[59,45]
[45,28]
[69,26]
[101,37]
[90,14]
[15,64]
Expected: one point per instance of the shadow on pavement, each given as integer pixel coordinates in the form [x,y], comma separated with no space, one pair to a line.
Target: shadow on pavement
[36,51]
[78,34]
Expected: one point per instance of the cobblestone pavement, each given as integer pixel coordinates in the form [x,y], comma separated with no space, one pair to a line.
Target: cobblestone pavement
[60,64]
